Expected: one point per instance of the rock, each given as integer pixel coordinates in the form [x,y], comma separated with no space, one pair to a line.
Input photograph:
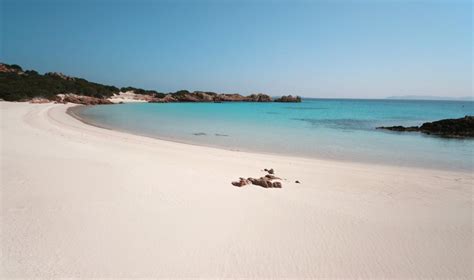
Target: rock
[399,128]
[288,98]
[205,96]
[260,97]
[272,177]
[167,99]
[265,182]
[262,181]
[239,98]
[271,171]
[298,182]
[39,100]
[277,185]
[201,96]
[81,99]
[462,127]
[242,182]
[6,68]
[228,98]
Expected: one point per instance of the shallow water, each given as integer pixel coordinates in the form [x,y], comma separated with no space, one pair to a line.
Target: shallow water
[340,129]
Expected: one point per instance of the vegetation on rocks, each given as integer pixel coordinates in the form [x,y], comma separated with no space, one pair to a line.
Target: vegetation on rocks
[19,85]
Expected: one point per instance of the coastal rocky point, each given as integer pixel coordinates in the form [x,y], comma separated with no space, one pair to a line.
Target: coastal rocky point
[288,98]
[462,127]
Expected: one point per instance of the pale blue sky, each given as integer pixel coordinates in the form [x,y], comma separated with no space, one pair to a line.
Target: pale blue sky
[311,48]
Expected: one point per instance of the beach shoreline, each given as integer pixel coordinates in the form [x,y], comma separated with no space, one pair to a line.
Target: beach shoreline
[324,153]
[83,201]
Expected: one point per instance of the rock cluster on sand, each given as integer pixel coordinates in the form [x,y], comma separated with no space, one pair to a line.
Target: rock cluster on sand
[288,98]
[268,181]
[462,127]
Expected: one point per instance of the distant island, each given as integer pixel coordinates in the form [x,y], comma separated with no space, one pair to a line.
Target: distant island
[431,97]
[17,84]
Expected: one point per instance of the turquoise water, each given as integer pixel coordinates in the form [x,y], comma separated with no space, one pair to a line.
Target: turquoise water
[340,129]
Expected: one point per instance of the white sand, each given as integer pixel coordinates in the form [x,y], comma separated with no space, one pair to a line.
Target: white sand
[81,201]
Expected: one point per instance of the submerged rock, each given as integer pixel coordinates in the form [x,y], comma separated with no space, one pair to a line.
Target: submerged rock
[462,127]
[400,128]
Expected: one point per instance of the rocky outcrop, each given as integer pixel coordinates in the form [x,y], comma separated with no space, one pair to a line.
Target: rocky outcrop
[6,68]
[81,99]
[462,127]
[167,99]
[288,98]
[260,97]
[226,97]
[205,96]
[201,96]
[39,100]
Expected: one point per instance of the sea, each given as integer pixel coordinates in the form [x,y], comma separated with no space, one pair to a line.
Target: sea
[336,129]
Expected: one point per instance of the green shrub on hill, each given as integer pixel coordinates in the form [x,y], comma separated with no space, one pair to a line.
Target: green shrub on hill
[16,85]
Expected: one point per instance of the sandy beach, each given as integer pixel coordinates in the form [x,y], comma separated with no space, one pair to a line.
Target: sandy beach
[82,201]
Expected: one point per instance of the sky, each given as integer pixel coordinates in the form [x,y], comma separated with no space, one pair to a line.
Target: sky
[339,49]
